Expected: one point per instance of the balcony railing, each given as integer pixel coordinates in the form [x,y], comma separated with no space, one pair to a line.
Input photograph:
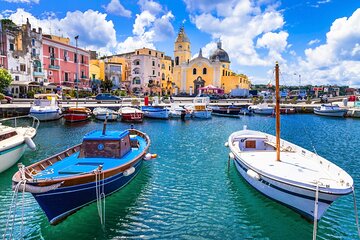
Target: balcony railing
[83,77]
[38,74]
[55,67]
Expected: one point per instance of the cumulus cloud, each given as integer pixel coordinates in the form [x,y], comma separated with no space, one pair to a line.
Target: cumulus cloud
[150,26]
[89,25]
[23,1]
[116,8]
[244,27]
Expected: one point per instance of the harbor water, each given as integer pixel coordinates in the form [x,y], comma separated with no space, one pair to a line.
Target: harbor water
[188,191]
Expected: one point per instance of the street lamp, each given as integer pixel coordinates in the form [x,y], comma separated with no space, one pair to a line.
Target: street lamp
[77,70]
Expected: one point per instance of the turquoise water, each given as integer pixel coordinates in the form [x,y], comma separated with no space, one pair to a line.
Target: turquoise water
[188,192]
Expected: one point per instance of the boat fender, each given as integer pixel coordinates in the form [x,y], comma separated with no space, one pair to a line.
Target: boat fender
[154,155]
[226,144]
[30,143]
[147,156]
[253,174]
[129,171]
[231,156]
[36,189]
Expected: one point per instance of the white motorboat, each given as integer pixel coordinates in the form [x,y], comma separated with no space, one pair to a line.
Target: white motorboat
[103,113]
[130,114]
[14,139]
[262,109]
[288,173]
[179,112]
[45,107]
[200,108]
[330,110]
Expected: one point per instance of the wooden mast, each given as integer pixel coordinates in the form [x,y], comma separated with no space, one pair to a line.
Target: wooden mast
[277,111]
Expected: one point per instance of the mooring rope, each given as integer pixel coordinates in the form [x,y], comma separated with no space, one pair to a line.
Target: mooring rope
[356,212]
[100,194]
[316,210]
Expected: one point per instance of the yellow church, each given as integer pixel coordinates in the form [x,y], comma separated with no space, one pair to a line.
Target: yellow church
[191,74]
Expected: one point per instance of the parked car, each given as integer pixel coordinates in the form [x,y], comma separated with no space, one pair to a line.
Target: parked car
[107,97]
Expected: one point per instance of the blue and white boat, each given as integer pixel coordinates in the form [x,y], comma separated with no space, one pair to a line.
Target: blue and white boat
[45,107]
[330,110]
[155,112]
[103,163]
[14,139]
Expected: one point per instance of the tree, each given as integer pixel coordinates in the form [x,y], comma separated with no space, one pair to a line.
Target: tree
[107,84]
[5,79]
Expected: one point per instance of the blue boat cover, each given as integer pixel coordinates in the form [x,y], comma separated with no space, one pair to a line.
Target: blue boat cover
[109,135]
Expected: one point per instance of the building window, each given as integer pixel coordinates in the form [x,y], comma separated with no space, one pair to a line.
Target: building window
[22,67]
[11,47]
[137,62]
[82,59]
[204,71]
[16,78]
[149,52]
[163,76]
[169,68]
[66,77]
[33,42]
[136,70]
[136,80]
[137,52]
[65,55]
[223,72]
[158,74]
[153,73]
[194,71]
[177,61]
[153,63]
[33,53]
[93,76]
[75,58]
[162,55]
[159,65]
[83,74]
[156,54]
[162,66]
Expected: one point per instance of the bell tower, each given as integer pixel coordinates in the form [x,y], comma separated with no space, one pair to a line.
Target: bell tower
[182,52]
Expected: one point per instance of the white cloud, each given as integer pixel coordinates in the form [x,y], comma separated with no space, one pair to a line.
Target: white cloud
[116,8]
[142,21]
[314,41]
[23,1]
[150,6]
[239,24]
[89,25]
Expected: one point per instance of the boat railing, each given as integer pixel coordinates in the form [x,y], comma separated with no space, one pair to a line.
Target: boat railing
[15,121]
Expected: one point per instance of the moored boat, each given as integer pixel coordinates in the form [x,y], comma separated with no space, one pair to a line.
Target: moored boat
[330,110]
[130,114]
[179,112]
[102,164]
[45,107]
[155,112]
[101,113]
[15,139]
[262,109]
[200,108]
[77,114]
[287,110]
[287,173]
[229,111]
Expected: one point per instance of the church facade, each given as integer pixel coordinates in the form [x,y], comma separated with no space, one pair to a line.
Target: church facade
[191,74]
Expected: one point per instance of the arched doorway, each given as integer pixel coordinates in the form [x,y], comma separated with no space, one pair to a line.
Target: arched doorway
[198,83]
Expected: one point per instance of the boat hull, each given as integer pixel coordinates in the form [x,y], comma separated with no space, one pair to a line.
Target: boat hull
[299,199]
[266,111]
[110,117]
[64,201]
[330,113]
[10,156]
[76,117]
[158,113]
[202,114]
[132,117]
[227,112]
[46,115]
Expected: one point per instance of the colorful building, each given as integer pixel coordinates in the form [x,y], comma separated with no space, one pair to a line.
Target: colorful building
[21,46]
[62,61]
[191,74]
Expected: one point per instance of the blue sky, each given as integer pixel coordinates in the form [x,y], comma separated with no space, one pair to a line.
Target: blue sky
[317,39]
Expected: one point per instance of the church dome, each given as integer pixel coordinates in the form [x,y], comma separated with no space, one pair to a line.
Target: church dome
[220,54]
[182,37]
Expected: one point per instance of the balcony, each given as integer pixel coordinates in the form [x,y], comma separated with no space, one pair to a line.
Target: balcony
[83,77]
[38,74]
[54,67]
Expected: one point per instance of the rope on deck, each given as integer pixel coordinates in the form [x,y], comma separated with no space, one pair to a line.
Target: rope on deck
[316,210]
[100,193]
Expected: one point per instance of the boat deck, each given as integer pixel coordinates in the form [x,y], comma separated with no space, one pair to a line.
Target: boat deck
[294,166]
[73,165]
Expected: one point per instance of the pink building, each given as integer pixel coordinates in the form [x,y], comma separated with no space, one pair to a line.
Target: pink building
[61,60]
